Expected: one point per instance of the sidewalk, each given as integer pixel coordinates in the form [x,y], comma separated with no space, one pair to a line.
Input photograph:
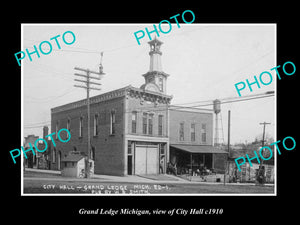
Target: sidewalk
[55,175]
[161,178]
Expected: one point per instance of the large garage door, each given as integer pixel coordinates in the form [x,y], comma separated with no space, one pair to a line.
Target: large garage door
[146,159]
[140,160]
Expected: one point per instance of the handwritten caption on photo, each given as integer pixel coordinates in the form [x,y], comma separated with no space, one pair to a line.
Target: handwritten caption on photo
[107,188]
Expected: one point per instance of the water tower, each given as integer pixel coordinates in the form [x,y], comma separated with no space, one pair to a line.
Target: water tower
[217,110]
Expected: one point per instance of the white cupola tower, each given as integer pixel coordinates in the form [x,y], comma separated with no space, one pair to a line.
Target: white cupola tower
[155,78]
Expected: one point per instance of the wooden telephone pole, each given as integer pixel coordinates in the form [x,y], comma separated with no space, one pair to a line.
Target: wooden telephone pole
[87,86]
[263,139]
[228,147]
[262,145]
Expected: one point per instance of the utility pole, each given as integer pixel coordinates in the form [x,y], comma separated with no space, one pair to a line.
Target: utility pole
[228,146]
[262,145]
[228,132]
[87,86]
[263,139]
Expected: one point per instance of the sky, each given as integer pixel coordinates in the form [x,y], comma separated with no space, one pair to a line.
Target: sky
[204,62]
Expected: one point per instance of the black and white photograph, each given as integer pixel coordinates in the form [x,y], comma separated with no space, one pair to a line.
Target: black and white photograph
[106,112]
[149,110]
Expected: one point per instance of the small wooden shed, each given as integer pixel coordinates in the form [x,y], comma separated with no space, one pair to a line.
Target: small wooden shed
[73,165]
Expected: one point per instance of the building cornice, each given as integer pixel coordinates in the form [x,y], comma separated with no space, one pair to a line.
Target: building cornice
[127,91]
[95,99]
[147,95]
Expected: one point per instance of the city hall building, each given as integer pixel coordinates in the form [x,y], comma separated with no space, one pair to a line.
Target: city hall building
[133,130]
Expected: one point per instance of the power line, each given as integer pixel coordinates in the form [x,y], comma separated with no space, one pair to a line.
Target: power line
[163,108]
[222,99]
[174,107]
[49,99]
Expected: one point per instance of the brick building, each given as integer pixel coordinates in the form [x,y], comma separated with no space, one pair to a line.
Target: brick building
[191,141]
[129,126]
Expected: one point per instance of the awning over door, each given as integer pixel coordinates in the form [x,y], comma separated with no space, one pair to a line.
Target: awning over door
[198,148]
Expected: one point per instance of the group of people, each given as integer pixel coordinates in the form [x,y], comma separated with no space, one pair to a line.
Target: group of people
[173,169]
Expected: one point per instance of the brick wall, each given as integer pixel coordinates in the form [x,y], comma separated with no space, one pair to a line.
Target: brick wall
[109,149]
[187,117]
[134,104]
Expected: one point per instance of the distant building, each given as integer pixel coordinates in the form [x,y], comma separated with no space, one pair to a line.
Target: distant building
[248,172]
[30,160]
[38,160]
[132,128]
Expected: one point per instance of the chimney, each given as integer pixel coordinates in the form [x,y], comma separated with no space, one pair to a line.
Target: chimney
[45,132]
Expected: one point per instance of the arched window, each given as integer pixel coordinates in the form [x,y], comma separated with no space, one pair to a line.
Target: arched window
[112,122]
[80,126]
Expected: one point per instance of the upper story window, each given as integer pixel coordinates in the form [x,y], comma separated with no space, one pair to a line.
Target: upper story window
[81,126]
[145,123]
[203,132]
[193,132]
[160,125]
[150,124]
[113,122]
[68,126]
[181,131]
[133,122]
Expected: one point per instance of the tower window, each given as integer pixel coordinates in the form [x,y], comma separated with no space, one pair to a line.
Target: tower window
[161,84]
[151,79]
